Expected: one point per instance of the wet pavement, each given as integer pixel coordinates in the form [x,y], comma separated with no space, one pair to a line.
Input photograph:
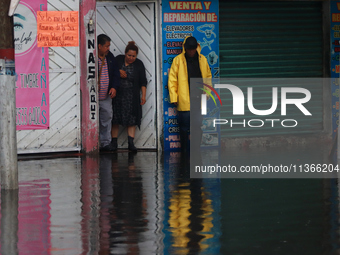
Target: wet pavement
[146,203]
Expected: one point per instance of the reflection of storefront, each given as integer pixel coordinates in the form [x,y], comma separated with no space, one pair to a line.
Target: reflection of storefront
[53,206]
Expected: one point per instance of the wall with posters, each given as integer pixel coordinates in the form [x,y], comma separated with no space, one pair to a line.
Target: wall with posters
[48,91]
[179,20]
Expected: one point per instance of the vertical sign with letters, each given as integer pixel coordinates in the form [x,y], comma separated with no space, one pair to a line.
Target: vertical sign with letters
[91,76]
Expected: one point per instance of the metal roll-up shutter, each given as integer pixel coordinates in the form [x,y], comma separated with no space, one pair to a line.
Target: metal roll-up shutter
[272,40]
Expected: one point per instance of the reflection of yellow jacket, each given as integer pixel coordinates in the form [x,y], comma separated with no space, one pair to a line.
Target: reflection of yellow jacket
[180,220]
[178,79]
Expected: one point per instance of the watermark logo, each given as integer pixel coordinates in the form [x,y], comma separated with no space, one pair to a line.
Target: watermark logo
[301,97]
[204,98]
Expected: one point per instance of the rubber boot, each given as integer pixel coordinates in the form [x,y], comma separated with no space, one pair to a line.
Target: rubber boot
[132,147]
[114,145]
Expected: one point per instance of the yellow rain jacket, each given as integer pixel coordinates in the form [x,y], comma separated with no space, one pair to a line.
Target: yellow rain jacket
[178,83]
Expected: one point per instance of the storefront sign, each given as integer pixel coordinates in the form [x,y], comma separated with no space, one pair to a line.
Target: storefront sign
[32,69]
[182,19]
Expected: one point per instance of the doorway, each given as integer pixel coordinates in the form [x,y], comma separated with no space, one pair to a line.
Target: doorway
[124,22]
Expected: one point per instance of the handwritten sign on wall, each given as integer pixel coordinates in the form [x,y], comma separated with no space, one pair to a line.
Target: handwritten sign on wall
[57,28]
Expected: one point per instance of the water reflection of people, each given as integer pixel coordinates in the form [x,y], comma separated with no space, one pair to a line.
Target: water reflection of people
[106,192]
[127,212]
[190,217]
[190,212]
[127,106]
[128,217]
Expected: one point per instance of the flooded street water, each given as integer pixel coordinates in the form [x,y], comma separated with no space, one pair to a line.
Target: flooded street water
[145,203]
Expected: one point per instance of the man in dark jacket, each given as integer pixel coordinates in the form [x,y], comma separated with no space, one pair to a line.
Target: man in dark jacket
[108,83]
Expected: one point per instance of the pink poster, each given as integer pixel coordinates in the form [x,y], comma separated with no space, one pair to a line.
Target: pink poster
[31,67]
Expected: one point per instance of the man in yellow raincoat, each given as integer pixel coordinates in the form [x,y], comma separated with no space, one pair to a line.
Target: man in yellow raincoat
[189,64]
